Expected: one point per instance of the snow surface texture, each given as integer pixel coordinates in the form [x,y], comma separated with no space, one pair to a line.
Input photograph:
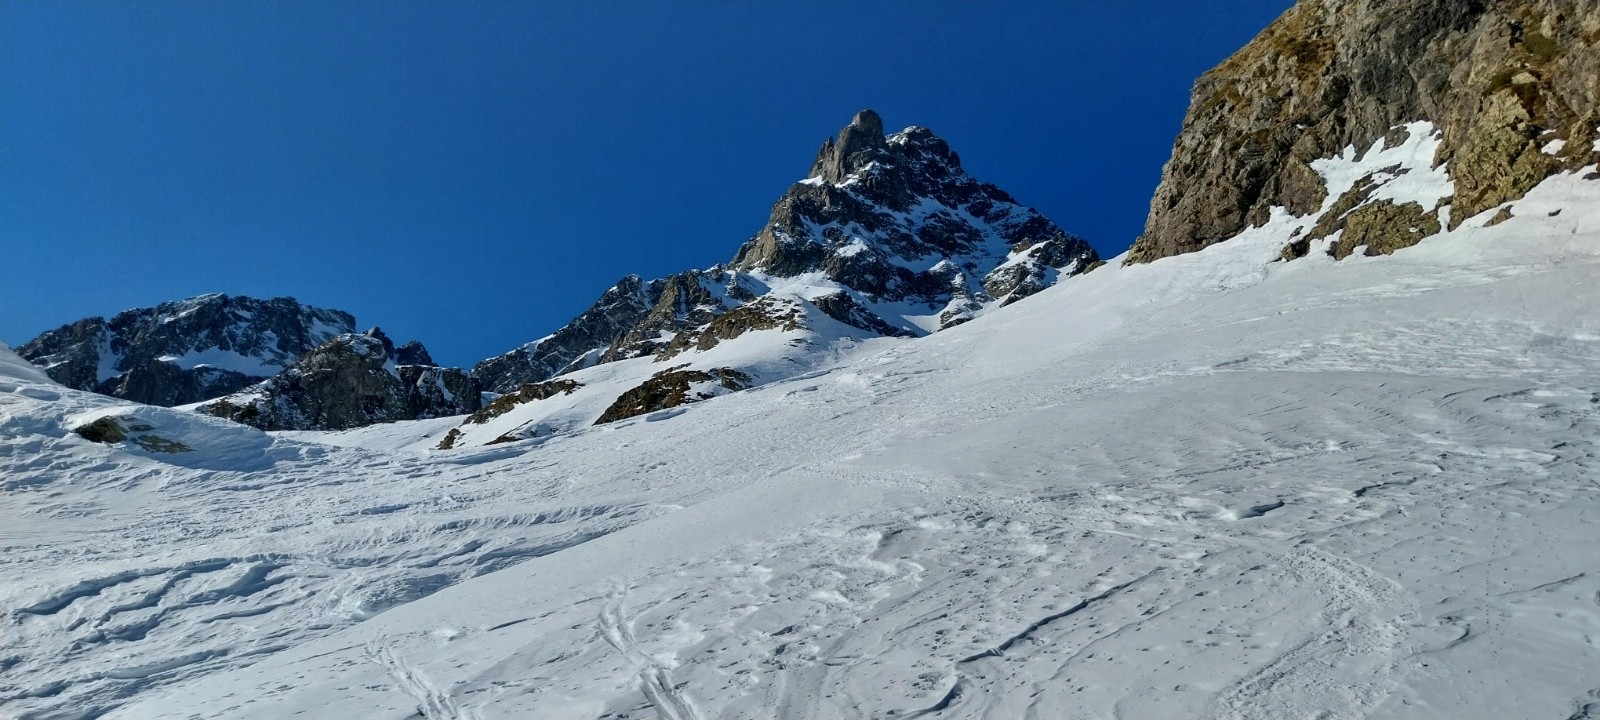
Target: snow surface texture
[1212,486]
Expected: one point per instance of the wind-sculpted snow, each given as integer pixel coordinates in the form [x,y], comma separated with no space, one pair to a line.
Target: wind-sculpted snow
[1209,487]
[127,569]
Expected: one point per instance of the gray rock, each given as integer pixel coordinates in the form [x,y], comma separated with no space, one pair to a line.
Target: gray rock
[583,339]
[413,353]
[350,381]
[185,351]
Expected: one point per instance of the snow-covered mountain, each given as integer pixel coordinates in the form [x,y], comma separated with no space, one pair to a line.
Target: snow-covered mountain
[1336,461]
[1220,485]
[887,235]
[185,351]
[271,364]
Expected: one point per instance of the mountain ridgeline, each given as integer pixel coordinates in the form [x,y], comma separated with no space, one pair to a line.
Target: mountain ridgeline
[278,364]
[1513,86]
[185,351]
[887,234]
[1451,109]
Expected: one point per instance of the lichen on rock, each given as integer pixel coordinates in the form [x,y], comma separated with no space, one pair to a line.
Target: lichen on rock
[1500,78]
[1384,227]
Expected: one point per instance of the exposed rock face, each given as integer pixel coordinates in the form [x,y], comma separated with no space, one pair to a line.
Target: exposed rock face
[682,302]
[186,351]
[764,314]
[586,337]
[1383,228]
[672,388]
[897,218]
[351,381]
[1502,79]
[413,353]
[879,220]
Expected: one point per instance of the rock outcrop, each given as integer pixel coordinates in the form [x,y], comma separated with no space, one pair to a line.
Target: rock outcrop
[115,429]
[897,218]
[351,381]
[529,392]
[672,388]
[888,233]
[1513,85]
[186,351]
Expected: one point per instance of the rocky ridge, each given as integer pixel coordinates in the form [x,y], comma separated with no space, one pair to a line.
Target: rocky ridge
[887,234]
[185,351]
[351,381]
[1513,87]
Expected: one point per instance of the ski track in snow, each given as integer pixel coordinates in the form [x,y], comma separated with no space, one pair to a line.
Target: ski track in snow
[1210,487]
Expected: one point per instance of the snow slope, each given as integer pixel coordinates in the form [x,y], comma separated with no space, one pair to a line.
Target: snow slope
[1212,486]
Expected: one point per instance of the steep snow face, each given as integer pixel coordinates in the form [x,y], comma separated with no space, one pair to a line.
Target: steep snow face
[889,233]
[1215,486]
[185,351]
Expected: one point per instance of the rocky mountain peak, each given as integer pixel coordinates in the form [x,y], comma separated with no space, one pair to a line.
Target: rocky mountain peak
[887,234]
[860,144]
[184,351]
[413,353]
[896,217]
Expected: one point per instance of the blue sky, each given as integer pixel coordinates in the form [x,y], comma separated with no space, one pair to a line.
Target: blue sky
[473,174]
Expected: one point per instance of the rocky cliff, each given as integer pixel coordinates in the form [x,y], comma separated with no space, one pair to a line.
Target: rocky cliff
[887,234]
[352,381]
[186,351]
[1513,86]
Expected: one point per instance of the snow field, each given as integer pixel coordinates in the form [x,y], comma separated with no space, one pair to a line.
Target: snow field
[1213,486]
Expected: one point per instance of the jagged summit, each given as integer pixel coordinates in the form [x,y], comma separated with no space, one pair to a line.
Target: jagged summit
[886,234]
[896,217]
[860,143]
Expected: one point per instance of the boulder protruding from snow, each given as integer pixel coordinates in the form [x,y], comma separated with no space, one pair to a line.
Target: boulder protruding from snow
[672,388]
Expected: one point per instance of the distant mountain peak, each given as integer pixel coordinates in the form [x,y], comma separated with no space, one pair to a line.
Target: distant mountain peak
[885,235]
[896,217]
[186,350]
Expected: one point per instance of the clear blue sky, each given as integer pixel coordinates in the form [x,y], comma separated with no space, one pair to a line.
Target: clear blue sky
[473,174]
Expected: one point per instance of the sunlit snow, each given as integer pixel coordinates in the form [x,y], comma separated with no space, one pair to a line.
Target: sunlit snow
[1213,486]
